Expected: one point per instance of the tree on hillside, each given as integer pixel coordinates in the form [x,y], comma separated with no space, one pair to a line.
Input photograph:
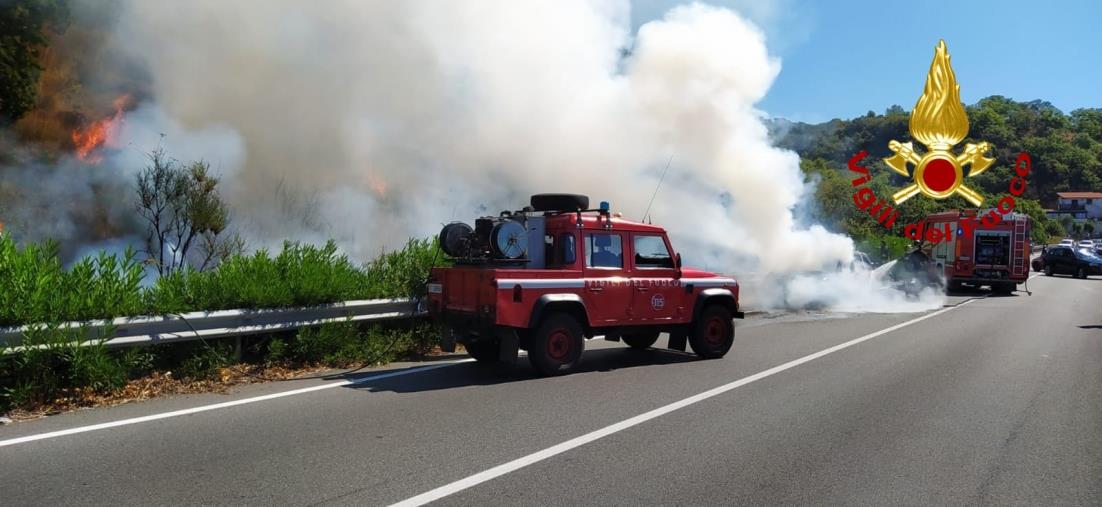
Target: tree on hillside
[1067,222]
[1054,230]
[183,210]
[23,25]
[1066,149]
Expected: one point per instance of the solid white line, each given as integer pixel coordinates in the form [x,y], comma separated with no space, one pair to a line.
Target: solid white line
[216,406]
[498,471]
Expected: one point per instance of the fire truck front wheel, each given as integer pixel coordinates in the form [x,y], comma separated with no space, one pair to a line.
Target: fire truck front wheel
[556,345]
[713,332]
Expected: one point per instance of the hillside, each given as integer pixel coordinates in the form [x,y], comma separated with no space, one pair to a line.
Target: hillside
[1066,149]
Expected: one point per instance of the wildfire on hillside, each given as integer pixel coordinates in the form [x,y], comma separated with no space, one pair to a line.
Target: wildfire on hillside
[377,184]
[103,132]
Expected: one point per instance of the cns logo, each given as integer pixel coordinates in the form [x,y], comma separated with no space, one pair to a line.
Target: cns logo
[657,302]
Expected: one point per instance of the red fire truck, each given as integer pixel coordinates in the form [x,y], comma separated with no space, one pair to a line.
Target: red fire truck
[995,255]
[545,278]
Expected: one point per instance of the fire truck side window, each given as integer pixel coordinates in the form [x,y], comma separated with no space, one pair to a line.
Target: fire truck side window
[651,253]
[560,252]
[603,250]
[568,250]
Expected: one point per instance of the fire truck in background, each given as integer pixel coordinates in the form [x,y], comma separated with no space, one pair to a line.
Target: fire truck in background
[996,255]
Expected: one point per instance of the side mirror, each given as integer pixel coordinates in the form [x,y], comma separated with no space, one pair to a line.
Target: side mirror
[677,261]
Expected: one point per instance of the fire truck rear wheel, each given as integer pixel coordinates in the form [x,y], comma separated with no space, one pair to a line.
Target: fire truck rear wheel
[556,346]
[713,332]
[484,351]
[640,340]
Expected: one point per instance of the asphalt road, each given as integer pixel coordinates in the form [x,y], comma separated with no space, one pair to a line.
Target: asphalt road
[997,401]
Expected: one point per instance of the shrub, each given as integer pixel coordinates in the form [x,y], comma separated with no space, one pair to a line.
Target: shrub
[207,359]
[300,275]
[34,288]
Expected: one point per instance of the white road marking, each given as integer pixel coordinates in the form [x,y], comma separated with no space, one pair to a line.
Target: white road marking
[216,406]
[505,468]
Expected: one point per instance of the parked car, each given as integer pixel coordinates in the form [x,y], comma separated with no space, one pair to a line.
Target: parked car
[1086,243]
[1078,262]
[1068,242]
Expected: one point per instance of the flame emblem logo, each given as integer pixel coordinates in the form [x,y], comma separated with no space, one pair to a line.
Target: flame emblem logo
[939,122]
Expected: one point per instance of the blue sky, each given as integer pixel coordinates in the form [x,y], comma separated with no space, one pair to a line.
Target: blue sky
[842,59]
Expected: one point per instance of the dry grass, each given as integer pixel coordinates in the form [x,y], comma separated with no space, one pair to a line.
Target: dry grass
[159,384]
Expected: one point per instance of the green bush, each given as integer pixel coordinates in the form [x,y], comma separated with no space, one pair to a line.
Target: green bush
[344,344]
[207,359]
[92,366]
[53,360]
[36,289]
[300,275]
[403,271]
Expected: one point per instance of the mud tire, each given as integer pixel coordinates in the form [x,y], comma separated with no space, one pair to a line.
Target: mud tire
[556,346]
[713,332]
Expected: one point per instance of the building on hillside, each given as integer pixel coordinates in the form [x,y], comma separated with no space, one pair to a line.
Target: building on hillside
[1080,205]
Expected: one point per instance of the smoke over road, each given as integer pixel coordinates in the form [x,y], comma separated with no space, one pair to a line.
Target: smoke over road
[372,122]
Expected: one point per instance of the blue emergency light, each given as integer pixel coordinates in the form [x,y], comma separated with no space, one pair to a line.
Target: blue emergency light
[604,206]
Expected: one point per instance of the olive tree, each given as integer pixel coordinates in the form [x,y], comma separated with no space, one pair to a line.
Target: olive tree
[186,217]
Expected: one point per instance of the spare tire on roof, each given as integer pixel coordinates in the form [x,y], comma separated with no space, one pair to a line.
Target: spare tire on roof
[559,202]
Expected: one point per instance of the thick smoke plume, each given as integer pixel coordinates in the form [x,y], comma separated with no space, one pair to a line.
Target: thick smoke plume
[400,115]
[373,122]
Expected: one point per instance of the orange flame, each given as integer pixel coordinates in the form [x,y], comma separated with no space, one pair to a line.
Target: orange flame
[102,132]
[377,184]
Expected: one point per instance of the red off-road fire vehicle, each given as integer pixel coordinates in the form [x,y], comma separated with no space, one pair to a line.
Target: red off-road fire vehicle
[547,277]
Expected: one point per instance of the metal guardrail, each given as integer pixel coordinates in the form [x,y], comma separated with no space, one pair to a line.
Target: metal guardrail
[134,331]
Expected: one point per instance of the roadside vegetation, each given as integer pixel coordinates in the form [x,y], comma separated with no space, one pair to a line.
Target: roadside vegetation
[36,289]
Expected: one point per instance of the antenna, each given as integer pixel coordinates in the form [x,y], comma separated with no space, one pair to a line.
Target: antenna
[660,180]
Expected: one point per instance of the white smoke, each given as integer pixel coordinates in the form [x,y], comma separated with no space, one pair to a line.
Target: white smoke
[373,122]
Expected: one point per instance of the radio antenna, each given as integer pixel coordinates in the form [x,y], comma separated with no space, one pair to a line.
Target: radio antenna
[660,180]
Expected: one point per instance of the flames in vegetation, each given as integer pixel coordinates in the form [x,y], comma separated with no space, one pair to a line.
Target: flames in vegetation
[103,132]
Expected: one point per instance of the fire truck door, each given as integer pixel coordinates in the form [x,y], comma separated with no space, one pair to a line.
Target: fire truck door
[607,292]
[944,254]
[655,290]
